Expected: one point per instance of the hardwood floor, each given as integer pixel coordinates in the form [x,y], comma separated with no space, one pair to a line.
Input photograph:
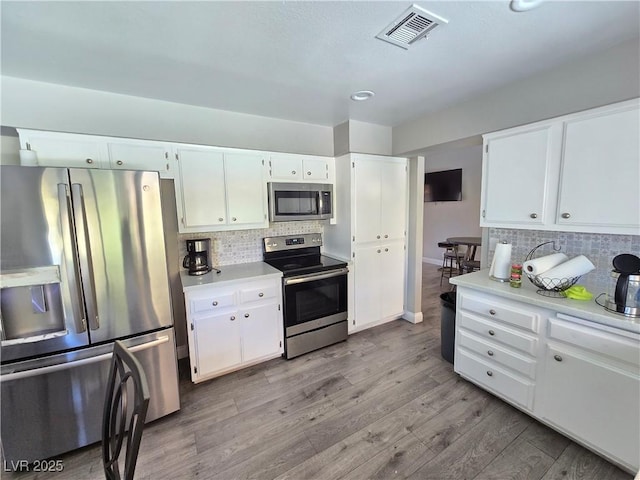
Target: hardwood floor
[383,405]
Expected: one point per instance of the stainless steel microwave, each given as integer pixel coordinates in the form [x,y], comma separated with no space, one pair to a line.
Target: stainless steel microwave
[300,201]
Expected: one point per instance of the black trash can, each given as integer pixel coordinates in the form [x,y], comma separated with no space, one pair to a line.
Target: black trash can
[448,325]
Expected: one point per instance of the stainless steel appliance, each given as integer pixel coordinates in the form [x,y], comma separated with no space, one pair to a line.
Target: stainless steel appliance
[624,294]
[197,258]
[300,201]
[314,288]
[82,264]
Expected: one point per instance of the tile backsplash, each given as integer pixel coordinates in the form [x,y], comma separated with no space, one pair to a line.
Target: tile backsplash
[244,246]
[599,248]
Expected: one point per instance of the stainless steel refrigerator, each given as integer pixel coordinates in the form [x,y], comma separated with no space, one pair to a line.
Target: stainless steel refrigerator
[82,263]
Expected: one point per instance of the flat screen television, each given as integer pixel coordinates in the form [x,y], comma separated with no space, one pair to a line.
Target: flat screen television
[443,186]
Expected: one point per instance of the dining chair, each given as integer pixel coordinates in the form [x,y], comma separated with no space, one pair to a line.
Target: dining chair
[449,258]
[125,410]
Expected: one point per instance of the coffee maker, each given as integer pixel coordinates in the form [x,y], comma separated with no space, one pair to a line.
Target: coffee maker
[197,258]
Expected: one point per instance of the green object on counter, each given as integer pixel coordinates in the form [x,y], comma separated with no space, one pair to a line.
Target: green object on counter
[578,292]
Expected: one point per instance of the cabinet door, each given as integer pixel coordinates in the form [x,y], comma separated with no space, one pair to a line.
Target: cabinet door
[314,168]
[595,401]
[246,189]
[286,168]
[367,276]
[393,205]
[600,171]
[143,156]
[392,269]
[367,198]
[515,176]
[217,342]
[261,331]
[201,195]
[64,150]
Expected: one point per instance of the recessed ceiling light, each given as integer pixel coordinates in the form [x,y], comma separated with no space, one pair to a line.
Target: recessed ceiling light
[362,95]
[524,5]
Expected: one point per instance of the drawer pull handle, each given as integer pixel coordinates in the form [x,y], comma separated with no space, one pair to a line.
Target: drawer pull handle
[293,172]
[232,318]
[557,358]
[220,219]
[534,215]
[490,353]
[308,173]
[386,249]
[490,373]
[566,215]
[492,311]
[246,315]
[492,333]
[379,251]
[89,160]
[378,236]
[234,219]
[215,304]
[261,294]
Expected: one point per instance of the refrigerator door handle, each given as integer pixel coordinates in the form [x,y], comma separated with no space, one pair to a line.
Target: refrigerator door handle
[86,264]
[77,363]
[72,270]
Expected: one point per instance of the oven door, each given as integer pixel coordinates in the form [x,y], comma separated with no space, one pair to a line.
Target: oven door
[314,301]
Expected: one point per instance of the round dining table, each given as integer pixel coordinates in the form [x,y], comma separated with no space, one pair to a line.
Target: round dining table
[472,243]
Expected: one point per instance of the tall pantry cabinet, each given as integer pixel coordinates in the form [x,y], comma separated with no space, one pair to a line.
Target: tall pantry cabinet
[371,208]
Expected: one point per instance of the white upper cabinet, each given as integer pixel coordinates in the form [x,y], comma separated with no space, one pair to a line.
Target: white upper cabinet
[54,149]
[220,189]
[200,192]
[576,173]
[140,156]
[599,184]
[298,168]
[380,199]
[516,169]
[245,188]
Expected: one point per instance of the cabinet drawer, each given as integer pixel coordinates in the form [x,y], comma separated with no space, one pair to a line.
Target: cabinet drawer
[496,379]
[498,333]
[211,303]
[495,353]
[260,292]
[498,309]
[611,345]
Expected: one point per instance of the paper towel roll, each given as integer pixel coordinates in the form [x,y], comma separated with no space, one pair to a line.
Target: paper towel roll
[571,268]
[501,263]
[539,265]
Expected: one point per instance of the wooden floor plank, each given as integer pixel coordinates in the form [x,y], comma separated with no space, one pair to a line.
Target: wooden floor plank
[519,461]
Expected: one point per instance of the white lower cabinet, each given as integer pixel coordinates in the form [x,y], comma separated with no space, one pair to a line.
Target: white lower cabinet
[233,326]
[496,346]
[379,276]
[577,376]
[591,389]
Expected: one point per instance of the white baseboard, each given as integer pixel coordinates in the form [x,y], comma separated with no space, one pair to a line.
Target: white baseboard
[413,317]
[434,261]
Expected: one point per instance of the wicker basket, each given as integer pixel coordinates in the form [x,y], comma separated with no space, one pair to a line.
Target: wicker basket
[549,287]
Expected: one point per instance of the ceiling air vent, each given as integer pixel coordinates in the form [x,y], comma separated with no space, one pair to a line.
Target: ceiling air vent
[415,23]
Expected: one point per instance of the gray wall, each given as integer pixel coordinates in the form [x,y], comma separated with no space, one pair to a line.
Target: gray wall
[46,106]
[599,79]
[453,219]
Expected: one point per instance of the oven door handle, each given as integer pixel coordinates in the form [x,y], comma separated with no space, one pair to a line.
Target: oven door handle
[314,277]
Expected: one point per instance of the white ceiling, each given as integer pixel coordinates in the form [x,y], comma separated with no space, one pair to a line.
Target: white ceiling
[301,60]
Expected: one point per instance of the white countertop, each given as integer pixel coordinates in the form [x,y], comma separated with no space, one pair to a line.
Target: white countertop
[228,273]
[585,309]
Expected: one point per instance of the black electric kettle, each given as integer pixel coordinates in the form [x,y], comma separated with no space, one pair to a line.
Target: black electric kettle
[624,296]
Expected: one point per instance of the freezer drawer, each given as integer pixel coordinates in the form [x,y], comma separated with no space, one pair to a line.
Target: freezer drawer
[54,404]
